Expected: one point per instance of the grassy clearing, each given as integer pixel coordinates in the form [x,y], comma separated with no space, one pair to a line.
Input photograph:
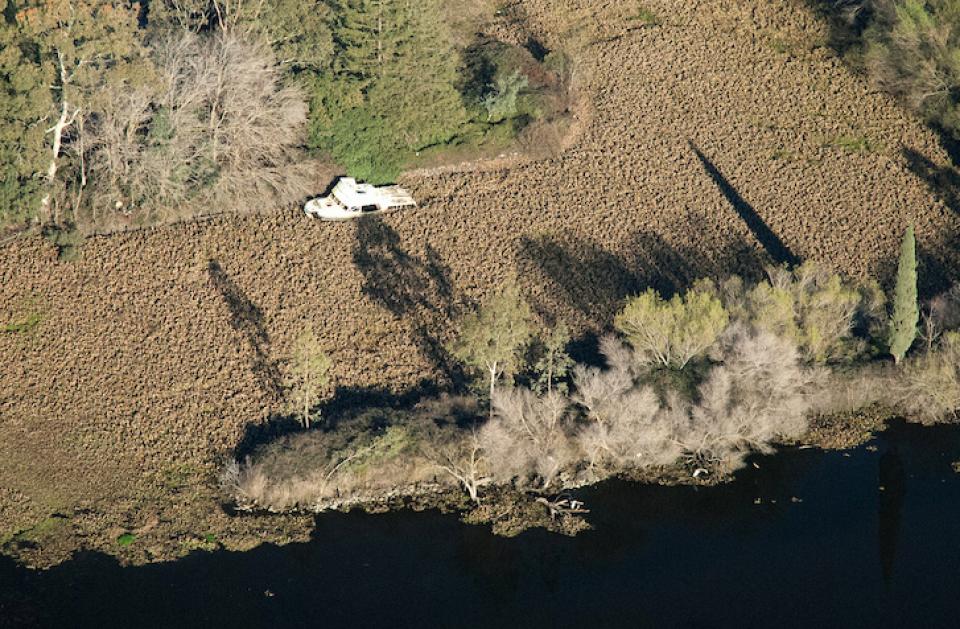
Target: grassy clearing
[26,324]
[46,529]
[854,144]
[126,539]
[646,17]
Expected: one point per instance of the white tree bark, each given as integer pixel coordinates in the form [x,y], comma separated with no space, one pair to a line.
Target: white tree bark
[67,118]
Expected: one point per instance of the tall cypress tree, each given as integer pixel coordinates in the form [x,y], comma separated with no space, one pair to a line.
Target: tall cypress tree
[906,311]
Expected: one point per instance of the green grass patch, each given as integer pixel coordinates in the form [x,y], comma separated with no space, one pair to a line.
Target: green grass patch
[781,46]
[67,239]
[783,154]
[126,539]
[854,144]
[29,322]
[175,477]
[45,529]
[646,17]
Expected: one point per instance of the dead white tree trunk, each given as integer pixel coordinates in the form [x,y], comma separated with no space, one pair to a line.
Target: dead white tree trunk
[67,118]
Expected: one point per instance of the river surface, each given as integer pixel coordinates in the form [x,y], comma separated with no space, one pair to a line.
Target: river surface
[804,538]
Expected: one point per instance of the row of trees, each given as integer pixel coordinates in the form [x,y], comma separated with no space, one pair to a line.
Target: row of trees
[132,109]
[120,111]
[700,379]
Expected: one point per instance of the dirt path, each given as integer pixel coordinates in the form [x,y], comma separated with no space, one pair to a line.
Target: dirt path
[720,140]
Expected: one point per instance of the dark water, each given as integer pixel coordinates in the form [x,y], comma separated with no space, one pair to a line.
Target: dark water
[848,554]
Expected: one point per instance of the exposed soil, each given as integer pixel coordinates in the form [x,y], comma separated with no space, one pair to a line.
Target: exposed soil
[722,139]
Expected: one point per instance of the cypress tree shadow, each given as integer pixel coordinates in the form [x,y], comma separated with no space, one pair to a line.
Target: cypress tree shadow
[775,247]
[891,496]
[247,320]
[414,289]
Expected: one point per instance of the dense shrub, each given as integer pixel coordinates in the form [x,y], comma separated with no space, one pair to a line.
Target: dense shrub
[399,84]
[672,332]
[912,47]
[364,458]
[930,384]
[829,318]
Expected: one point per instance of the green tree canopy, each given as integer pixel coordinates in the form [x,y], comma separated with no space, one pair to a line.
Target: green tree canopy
[392,90]
[79,46]
[906,312]
[492,339]
[913,51]
[24,101]
[307,377]
[671,333]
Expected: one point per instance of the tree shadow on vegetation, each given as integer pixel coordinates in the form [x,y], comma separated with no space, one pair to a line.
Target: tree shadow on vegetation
[775,247]
[348,400]
[247,320]
[345,403]
[846,19]
[478,71]
[415,289]
[563,272]
[256,434]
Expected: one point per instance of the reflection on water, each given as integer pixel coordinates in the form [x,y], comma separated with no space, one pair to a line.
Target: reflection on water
[792,543]
[892,489]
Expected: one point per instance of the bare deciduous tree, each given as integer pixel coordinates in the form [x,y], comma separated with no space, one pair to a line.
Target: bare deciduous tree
[528,436]
[460,454]
[218,127]
[626,428]
[760,393]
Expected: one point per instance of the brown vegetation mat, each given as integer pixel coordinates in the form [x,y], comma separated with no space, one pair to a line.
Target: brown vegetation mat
[716,141]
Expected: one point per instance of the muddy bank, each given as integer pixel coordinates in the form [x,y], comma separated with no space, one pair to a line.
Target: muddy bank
[509,511]
[804,538]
